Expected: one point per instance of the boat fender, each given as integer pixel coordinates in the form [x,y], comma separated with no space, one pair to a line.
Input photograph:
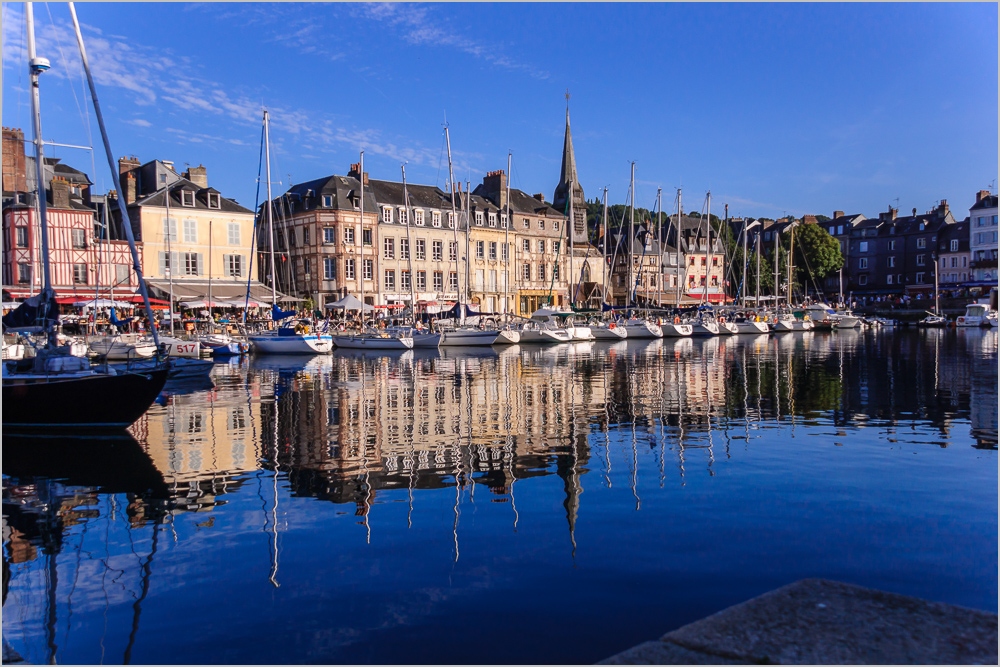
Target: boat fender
[961,319]
[659,321]
[611,326]
[677,319]
[722,320]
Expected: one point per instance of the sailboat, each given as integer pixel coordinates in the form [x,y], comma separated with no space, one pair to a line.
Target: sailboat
[56,390]
[369,338]
[461,335]
[285,339]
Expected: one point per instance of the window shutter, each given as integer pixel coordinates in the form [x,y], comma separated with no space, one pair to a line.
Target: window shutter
[163,264]
[201,264]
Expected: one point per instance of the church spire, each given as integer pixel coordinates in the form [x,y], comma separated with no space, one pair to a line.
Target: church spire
[568,176]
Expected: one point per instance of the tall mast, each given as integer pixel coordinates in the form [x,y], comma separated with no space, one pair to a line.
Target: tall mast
[210,271]
[114,175]
[454,218]
[506,244]
[757,302]
[659,247]
[361,179]
[270,216]
[743,285]
[777,270]
[708,241]
[570,232]
[791,249]
[631,240]
[468,242]
[35,67]
[170,259]
[409,246]
[604,247]
[680,255]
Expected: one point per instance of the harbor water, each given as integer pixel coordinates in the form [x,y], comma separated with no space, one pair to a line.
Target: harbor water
[509,505]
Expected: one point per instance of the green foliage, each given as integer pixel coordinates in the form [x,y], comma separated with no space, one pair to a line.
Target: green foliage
[817,254]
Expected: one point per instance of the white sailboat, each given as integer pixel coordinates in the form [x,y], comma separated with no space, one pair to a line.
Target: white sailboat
[284,340]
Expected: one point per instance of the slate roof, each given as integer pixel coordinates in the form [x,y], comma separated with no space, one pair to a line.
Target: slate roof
[958,231]
[158,198]
[985,202]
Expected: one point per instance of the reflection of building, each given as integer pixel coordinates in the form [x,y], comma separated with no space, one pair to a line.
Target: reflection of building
[983,239]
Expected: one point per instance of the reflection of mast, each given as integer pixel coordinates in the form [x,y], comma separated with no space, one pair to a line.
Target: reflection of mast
[607,422]
[274,506]
[708,395]
[364,448]
[635,461]
[137,606]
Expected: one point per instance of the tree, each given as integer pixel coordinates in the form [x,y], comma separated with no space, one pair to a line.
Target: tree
[817,254]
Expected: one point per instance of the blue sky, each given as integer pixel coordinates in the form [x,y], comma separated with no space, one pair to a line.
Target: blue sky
[798,108]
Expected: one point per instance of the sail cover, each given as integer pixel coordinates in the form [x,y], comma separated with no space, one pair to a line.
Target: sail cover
[277,314]
[34,312]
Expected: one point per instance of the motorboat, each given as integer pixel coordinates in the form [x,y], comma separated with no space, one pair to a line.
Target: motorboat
[221,344]
[749,323]
[286,341]
[608,331]
[123,347]
[676,329]
[544,333]
[508,336]
[704,327]
[467,336]
[560,319]
[977,315]
[422,338]
[788,322]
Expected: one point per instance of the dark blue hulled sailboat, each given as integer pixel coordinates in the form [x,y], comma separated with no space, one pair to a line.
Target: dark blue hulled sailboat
[56,390]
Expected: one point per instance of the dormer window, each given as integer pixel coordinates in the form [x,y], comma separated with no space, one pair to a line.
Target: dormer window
[386,214]
[418,217]
[492,219]
[214,200]
[404,217]
[436,218]
[327,201]
[187,198]
[479,218]
[921,226]
[503,220]
[451,220]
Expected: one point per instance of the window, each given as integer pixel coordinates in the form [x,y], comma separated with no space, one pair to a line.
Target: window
[527,245]
[480,249]
[479,218]
[389,248]
[438,281]
[24,272]
[366,236]
[541,245]
[892,245]
[556,245]
[389,282]
[214,201]
[292,238]
[234,265]
[329,268]
[233,233]
[492,219]
[541,272]
[526,272]
[367,269]
[404,217]
[190,231]
[555,225]
[421,249]
[920,278]
[453,281]
[503,220]
[307,266]
[451,220]
[437,250]
[888,279]
[435,218]
[122,274]
[305,235]
[170,229]
[187,197]
[890,261]
[840,230]
[493,249]
[965,262]
[404,248]
[192,265]
[863,263]
[21,236]
[541,224]
[921,243]
[79,238]
[421,280]
[453,251]
[920,260]
[404,280]
[704,261]
[80,274]
[349,269]
[767,236]
[527,223]
[954,245]
[863,246]
[555,271]
[327,201]
[349,235]
[862,280]
[329,235]
[386,214]
[954,262]
[504,252]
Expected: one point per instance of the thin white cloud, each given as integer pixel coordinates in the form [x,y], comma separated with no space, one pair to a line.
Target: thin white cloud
[139,122]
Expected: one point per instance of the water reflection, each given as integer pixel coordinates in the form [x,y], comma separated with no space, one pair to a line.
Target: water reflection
[448,434]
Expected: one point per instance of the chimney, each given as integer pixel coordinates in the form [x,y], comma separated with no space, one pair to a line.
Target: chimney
[129,187]
[127,164]
[495,186]
[942,209]
[980,196]
[15,175]
[59,187]
[355,172]
[540,197]
[197,175]
[914,211]
[838,214]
